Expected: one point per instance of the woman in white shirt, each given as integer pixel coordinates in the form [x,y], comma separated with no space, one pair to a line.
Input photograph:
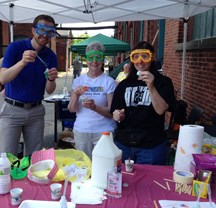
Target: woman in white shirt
[91,99]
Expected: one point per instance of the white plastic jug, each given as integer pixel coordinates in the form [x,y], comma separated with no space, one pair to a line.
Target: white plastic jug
[105,156]
[5,179]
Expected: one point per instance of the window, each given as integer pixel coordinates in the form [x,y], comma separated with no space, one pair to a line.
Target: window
[20,37]
[205,25]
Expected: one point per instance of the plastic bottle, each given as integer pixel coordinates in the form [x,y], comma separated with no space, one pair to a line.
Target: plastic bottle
[105,157]
[65,92]
[5,179]
[114,183]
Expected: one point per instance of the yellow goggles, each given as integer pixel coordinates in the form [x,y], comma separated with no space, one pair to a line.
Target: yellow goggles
[144,55]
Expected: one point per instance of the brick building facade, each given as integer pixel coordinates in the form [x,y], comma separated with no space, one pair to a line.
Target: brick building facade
[200,68]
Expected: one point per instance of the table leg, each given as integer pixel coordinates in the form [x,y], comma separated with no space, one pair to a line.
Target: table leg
[55,123]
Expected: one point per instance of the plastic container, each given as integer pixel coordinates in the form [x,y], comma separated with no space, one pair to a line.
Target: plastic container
[47,204]
[114,184]
[105,156]
[5,179]
[65,92]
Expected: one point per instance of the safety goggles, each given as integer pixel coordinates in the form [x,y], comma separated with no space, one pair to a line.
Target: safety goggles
[95,56]
[43,29]
[144,55]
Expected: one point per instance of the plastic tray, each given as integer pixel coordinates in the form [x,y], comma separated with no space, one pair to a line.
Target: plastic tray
[44,204]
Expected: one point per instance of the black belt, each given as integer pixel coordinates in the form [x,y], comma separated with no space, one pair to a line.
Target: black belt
[22,105]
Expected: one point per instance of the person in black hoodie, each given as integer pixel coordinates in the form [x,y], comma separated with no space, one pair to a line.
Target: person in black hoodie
[139,105]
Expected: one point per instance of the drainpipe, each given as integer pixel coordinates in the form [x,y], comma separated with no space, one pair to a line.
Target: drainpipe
[141,30]
[161,40]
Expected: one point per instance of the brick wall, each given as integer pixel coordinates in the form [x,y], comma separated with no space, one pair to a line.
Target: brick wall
[4,37]
[132,32]
[61,47]
[200,70]
[23,29]
[172,59]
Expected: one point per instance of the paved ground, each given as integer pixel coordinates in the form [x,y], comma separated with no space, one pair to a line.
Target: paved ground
[64,79]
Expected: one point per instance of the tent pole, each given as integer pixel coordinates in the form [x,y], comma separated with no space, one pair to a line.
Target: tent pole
[184,57]
[11,32]
[11,22]
[156,34]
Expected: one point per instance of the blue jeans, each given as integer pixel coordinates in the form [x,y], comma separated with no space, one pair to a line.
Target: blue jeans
[154,156]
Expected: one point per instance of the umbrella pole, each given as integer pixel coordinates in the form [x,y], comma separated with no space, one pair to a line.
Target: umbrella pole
[184,57]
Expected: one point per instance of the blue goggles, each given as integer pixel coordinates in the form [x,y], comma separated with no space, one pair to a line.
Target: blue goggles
[43,29]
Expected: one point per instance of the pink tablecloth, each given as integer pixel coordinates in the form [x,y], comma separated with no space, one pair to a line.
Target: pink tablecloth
[140,192]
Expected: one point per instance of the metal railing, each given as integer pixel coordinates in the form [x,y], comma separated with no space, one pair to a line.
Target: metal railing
[118,69]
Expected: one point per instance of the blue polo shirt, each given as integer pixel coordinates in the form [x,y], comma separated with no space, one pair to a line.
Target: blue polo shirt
[29,85]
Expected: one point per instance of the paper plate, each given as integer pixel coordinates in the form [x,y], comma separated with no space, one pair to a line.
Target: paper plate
[44,204]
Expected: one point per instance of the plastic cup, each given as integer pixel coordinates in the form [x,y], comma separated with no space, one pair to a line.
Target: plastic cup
[16,196]
[129,165]
[55,190]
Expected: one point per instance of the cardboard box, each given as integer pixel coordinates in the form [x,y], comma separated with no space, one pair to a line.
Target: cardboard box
[203,162]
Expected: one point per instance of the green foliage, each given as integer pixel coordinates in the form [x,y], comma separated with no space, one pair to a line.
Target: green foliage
[75,41]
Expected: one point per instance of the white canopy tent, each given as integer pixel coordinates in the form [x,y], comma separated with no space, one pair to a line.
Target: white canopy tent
[72,11]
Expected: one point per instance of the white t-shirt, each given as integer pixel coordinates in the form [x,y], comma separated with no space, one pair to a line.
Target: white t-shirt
[89,121]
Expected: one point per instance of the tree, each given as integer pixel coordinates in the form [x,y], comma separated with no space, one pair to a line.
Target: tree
[75,41]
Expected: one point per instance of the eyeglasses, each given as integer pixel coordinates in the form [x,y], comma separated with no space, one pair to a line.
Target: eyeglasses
[95,56]
[43,29]
[141,54]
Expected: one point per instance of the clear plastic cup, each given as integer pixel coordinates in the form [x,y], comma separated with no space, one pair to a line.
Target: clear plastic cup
[129,165]
[16,196]
[56,190]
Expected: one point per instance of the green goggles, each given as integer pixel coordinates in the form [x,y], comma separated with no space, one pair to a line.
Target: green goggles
[95,56]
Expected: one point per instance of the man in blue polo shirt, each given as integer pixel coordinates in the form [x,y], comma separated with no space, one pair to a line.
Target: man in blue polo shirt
[28,69]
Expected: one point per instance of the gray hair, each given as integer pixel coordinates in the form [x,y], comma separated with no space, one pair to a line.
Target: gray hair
[96,46]
[127,64]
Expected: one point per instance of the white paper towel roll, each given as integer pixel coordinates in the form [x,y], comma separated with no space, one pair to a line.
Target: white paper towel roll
[190,142]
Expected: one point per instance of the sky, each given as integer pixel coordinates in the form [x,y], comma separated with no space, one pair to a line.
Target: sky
[76,33]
